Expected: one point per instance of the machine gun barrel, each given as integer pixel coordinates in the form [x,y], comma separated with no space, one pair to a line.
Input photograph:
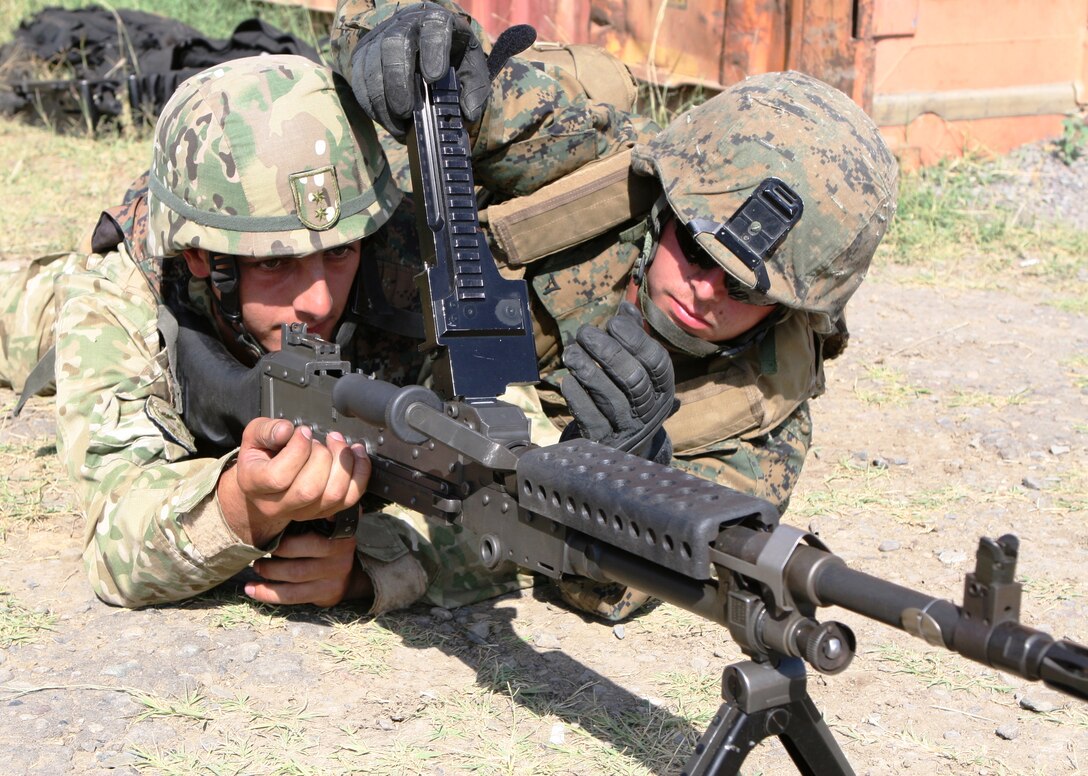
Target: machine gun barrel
[985,629]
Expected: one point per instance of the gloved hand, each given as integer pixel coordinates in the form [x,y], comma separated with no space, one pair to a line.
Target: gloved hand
[424,38]
[621,386]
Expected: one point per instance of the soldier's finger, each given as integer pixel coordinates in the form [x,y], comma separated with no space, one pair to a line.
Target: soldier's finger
[348,476]
[360,475]
[261,475]
[341,464]
[622,368]
[307,490]
[269,434]
[398,67]
[608,399]
[319,593]
[435,44]
[309,545]
[646,350]
[294,570]
[590,419]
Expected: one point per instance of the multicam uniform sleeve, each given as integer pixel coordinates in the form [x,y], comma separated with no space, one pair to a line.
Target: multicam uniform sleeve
[27,315]
[533,131]
[154,530]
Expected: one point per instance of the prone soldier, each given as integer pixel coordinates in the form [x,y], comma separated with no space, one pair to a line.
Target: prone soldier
[265,179]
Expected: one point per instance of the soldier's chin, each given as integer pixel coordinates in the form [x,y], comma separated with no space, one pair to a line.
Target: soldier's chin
[272,344]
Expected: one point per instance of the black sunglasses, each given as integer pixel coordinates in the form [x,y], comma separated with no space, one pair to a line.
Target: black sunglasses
[697,255]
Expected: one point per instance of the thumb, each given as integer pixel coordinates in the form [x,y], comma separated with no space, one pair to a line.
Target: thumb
[270,434]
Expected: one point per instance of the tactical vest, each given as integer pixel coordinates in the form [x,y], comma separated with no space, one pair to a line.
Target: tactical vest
[576,241]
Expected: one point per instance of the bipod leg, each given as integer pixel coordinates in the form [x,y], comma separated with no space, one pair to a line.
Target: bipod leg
[762,700]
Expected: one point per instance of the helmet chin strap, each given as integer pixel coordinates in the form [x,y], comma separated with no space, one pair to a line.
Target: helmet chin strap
[225,280]
[682,342]
[678,339]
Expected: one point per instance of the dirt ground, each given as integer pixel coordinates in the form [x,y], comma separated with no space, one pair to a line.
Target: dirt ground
[959,410]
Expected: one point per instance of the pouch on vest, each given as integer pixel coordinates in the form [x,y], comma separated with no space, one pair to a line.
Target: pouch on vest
[576,208]
[741,398]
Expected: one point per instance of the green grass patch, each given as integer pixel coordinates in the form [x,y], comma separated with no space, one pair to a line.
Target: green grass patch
[695,696]
[235,610]
[1070,492]
[192,706]
[939,669]
[361,645]
[62,183]
[275,740]
[1078,371]
[954,754]
[1047,593]
[939,219]
[886,386]
[1077,305]
[858,488]
[33,490]
[945,237]
[19,624]
[964,398]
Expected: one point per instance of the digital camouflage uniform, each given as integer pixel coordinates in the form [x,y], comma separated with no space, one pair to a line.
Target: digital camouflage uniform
[743,418]
[744,415]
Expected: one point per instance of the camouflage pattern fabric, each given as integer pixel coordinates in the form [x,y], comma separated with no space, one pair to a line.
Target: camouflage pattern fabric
[818,141]
[329,184]
[27,314]
[743,420]
[609,601]
[154,530]
[534,129]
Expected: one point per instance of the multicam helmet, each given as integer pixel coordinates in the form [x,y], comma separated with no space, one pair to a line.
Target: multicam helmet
[808,135]
[265,156]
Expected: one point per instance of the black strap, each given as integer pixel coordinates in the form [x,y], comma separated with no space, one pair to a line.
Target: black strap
[38,380]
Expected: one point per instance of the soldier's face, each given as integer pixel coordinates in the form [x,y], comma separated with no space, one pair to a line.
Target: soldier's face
[312,289]
[694,295]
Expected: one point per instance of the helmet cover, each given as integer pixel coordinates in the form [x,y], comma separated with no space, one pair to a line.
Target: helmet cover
[814,138]
[265,156]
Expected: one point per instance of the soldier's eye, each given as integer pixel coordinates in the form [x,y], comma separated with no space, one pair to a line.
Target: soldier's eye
[693,252]
[341,251]
[270,265]
[697,255]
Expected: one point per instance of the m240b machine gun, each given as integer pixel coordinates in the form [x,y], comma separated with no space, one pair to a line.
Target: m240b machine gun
[579,508]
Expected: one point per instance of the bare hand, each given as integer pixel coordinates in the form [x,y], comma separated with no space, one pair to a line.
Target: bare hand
[283,474]
[309,568]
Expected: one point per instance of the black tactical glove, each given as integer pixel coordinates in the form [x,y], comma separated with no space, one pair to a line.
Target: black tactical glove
[621,386]
[425,38]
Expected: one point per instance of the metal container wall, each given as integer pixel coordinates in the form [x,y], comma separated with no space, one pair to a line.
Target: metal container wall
[939,76]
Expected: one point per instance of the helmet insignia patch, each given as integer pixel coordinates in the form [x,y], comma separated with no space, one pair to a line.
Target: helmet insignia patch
[317,197]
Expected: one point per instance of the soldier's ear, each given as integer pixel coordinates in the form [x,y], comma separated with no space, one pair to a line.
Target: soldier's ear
[197,260]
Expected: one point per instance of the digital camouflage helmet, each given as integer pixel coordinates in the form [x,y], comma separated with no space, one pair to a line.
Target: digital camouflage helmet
[265,156]
[812,137]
